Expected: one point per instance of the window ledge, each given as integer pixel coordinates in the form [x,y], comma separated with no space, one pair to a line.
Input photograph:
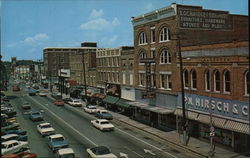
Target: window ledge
[246,95]
[186,88]
[152,43]
[226,93]
[143,44]
[194,89]
[217,92]
[164,41]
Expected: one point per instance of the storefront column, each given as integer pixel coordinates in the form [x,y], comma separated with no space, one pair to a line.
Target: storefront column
[232,140]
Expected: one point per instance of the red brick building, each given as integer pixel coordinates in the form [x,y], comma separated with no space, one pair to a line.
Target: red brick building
[214,47]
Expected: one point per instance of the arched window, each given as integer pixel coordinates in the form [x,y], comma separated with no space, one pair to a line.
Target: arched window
[226,81]
[193,79]
[217,81]
[143,55]
[164,34]
[207,80]
[247,83]
[142,38]
[165,57]
[185,78]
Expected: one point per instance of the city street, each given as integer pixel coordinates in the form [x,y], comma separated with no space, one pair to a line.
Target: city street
[75,125]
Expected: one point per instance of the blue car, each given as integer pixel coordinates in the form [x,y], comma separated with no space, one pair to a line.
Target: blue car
[8,137]
[19,132]
[36,116]
[103,114]
[57,141]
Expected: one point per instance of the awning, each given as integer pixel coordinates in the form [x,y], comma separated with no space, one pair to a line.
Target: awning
[157,109]
[123,103]
[110,99]
[189,114]
[238,126]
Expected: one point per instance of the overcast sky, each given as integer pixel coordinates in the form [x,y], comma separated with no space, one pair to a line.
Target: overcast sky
[28,26]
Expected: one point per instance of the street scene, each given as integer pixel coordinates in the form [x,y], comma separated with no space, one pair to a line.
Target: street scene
[125,79]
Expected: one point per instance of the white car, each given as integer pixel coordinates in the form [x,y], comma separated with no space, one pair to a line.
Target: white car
[45,129]
[103,124]
[75,102]
[65,152]
[100,152]
[90,109]
[13,146]
[42,94]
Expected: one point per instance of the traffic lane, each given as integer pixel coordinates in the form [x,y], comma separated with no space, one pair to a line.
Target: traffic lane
[118,140]
[36,142]
[74,142]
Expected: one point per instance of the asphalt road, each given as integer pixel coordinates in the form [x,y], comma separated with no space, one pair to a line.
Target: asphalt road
[75,125]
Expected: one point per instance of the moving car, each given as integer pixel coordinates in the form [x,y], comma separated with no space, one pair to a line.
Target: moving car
[26,105]
[103,114]
[42,93]
[56,141]
[90,109]
[65,153]
[58,102]
[100,152]
[45,129]
[13,146]
[36,116]
[103,125]
[75,103]
[8,137]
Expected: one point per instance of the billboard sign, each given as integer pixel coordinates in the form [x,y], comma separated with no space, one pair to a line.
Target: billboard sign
[64,73]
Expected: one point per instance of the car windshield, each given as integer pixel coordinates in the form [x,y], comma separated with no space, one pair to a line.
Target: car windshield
[71,155]
[92,107]
[104,122]
[58,139]
[101,151]
[45,126]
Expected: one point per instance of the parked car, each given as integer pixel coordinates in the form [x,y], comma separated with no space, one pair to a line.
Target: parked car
[45,129]
[10,112]
[100,152]
[103,124]
[13,146]
[56,141]
[65,153]
[8,137]
[36,116]
[58,102]
[42,93]
[19,132]
[9,126]
[21,155]
[75,103]
[56,95]
[103,114]
[26,105]
[90,109]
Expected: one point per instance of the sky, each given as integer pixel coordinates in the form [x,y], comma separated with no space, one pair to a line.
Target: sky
[29,26]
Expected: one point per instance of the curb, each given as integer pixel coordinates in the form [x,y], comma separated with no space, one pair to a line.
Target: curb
[171,142]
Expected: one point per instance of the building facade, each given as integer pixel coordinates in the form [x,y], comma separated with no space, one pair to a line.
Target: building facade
[159,36]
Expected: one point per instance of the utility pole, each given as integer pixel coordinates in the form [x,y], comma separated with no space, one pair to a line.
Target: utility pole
[84,76]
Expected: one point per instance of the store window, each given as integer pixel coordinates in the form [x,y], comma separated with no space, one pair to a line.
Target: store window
[247,83]
[193,79]
[217,81]
[185,78]
[226,81]
[142,38]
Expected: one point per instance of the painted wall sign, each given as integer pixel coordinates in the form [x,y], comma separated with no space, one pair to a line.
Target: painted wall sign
[224,107]
[203,19]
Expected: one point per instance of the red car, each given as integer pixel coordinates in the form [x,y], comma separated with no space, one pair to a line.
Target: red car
[21,155]
[58,102]
[15,88]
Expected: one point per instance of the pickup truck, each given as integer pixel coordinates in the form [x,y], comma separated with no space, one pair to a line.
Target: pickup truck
[57,141]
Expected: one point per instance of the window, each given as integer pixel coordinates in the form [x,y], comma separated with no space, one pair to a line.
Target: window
[142,38]
[165,57]
[207,80]
[142,79]
[152,34]
[164,34]
[247,83]
[217,81]
[153,80]
[226,81]
[143,55]
[152,53]
[193,79]
[185,78]
[165,81]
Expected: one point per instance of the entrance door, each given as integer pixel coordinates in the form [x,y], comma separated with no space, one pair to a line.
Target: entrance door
[154,119]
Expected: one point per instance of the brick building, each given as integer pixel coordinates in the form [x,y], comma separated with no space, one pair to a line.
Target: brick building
[158,36]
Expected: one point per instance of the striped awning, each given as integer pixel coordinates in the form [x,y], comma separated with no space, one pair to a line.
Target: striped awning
[238,126]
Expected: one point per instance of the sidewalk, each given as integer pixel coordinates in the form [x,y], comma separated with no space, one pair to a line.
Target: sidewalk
[197,146]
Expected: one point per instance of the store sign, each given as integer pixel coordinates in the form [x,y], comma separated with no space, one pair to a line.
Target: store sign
[224,107]
[203,19]
[64,72]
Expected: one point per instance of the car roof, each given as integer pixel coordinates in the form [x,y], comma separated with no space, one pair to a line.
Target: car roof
[65,151]
[45,123]
[8,135]
[56,136]
[101,120]
[103,110]
[10,142]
